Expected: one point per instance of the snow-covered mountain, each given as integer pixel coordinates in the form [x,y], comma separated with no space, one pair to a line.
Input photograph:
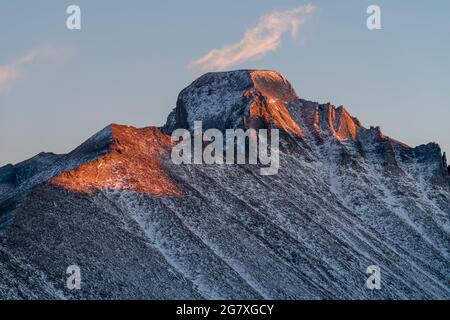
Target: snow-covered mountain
[346,197]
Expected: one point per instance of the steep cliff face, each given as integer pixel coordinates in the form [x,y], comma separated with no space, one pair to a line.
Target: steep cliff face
[139,226]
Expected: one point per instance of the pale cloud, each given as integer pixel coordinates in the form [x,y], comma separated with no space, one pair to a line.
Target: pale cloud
[257,41]
[13,71]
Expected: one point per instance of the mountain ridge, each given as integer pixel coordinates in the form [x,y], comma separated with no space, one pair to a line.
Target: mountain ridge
[346,197]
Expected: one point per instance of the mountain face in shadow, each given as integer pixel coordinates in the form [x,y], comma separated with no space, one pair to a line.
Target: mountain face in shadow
[139,226]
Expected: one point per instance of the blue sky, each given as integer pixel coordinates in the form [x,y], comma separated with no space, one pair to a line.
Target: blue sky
[130,60]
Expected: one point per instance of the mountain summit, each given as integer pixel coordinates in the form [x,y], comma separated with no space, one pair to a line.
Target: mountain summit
[346,197]
[235,99]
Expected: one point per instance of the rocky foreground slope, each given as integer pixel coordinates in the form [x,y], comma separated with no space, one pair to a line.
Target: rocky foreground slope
[346,197]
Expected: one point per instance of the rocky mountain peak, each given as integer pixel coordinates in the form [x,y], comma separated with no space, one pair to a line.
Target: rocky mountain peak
[235,99]
[258,99]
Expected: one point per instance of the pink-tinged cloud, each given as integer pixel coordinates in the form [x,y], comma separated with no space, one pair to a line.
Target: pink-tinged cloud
[257,41]
[13,71]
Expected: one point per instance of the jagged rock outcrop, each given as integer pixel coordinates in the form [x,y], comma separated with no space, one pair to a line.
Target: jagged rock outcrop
[139,226]
[444,163]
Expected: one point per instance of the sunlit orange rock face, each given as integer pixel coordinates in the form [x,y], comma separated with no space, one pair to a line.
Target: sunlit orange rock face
[272,84]
[133,163]
[342,124]
[327,120]
[272,92]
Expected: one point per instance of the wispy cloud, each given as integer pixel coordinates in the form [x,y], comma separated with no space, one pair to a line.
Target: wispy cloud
[257,41]
[13,71]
